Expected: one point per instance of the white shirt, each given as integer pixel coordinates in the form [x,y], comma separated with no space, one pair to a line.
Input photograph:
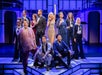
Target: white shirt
[71,25]
[18,31]
[79,30]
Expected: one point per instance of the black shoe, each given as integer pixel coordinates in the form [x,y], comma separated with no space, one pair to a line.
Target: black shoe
[41,65]
[83,58]
[20,61]
[48,68]
[25,72]
[14,60]
[69,66]
[76,58]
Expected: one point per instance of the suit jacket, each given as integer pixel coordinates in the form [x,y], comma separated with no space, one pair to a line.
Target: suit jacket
[16,35]
[41,26]
[76,35]
[58,48]
[68,22]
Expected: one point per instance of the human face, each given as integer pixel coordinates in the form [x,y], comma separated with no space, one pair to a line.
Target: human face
[24,13]
[78,21]
[61,15]
[70,15]
[25,24]
[51,16]
[33,17]
[59,38]
[44,39]
[18,23]
[39,12]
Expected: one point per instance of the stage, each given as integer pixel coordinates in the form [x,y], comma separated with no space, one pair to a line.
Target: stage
[89,66]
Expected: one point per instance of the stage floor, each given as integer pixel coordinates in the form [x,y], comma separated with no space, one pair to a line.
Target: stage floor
[61,69]
[7,50]
[93,59]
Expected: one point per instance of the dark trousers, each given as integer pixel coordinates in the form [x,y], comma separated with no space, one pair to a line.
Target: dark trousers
[38,37]
[17,52]
[79,51]
[25,58]
[64,54]
[70,38]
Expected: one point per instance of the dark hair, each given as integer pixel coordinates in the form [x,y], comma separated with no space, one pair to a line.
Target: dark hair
[35,15]
[40,10]
[19,19]
[58,35]
[44,36]
[25,11]
[26,21]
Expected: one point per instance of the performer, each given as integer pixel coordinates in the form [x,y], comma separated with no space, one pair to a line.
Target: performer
[61,25]
[43,55]
[78,39]
[24,16]
[17,49]
[61,50]
[28,43]
[51,29]
[40,27]
[34,23]
[70,25]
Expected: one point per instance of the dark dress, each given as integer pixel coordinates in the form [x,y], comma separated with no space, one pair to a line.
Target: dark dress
[34,28]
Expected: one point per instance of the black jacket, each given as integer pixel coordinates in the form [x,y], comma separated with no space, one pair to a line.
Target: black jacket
[75,31]
[41,26]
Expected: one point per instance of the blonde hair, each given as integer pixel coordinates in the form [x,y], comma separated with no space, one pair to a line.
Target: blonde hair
[51,13]
[76,22]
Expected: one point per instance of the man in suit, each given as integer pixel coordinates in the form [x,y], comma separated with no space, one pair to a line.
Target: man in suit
[17,49]
[40,27]
[43,54]
[61,50]
[78,39]
[24,16]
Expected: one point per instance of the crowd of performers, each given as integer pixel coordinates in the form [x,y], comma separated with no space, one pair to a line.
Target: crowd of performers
[29,36]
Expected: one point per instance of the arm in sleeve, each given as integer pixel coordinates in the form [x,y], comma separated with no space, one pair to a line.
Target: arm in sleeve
[55,49]
[65,45]
[74,31]
[57,23]
[44,23]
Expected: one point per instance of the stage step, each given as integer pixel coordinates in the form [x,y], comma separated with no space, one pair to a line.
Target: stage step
[30,71]
[81,67]
[18,71]
[80,72]
[95,74]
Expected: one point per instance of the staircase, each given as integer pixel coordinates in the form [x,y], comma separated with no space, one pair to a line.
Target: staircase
[79,67]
